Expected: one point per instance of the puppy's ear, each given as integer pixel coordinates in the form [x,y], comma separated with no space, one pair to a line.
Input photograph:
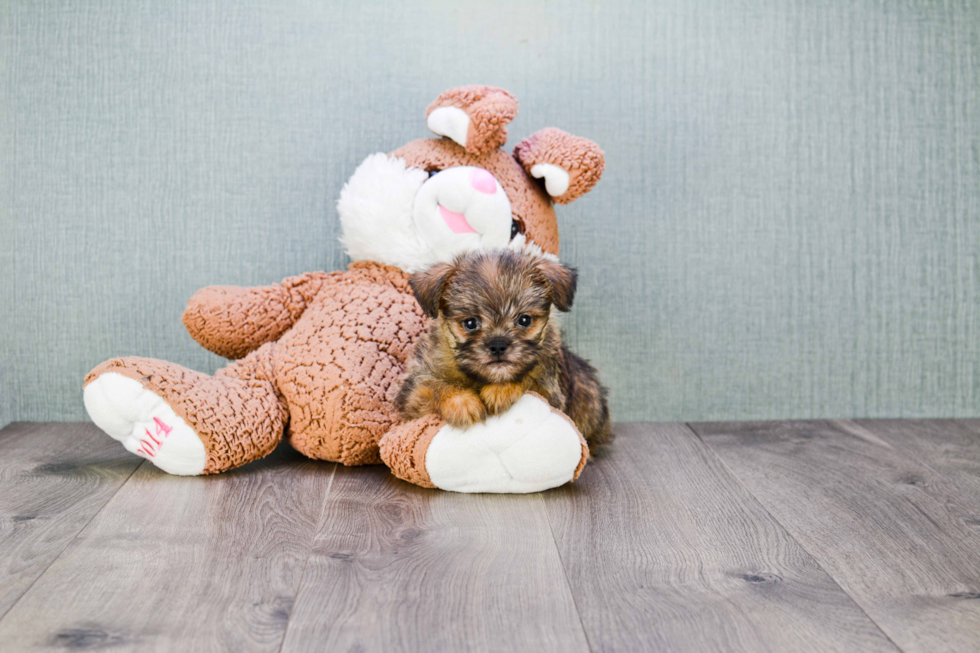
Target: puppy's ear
[561,282]
[428,286]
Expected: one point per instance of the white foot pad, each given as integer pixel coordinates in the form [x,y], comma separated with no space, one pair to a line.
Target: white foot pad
[529,448]
[145,424]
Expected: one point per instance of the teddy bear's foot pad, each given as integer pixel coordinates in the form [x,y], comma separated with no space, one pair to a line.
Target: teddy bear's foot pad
[145,424]
[529,448]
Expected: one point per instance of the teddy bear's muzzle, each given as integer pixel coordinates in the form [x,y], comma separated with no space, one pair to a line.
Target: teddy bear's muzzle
[461,209]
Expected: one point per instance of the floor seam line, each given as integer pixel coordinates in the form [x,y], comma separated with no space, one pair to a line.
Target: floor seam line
[788,532]
[69,542]
[309,554]
[564,573]
[908,455]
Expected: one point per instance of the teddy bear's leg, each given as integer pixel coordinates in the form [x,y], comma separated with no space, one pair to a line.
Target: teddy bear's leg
[341,408]
[186,422]
[529,448]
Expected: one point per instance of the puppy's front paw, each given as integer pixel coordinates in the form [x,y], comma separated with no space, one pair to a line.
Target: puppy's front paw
[499,397]
[461,408]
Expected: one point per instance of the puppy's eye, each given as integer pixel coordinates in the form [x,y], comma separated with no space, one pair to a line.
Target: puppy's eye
[524,321]
[514,229]
[471,324]
[433,173]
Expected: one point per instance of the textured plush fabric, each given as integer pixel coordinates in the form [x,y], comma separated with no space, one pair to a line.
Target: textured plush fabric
[232,321]
[403,449]
[339,367]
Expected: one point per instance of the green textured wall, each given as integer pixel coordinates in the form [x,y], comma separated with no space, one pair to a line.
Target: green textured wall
[789,225]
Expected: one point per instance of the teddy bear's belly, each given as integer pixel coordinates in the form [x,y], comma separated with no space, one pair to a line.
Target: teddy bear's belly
[339,369]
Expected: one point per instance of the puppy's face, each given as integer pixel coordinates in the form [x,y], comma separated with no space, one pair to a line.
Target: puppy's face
[493,310]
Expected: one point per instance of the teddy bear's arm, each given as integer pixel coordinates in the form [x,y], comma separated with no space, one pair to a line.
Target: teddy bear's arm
[232,321]
[531,447]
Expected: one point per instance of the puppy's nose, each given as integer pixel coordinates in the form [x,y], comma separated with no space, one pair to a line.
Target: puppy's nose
[498,346]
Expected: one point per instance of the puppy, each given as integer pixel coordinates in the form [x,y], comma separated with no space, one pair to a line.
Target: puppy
[494,337]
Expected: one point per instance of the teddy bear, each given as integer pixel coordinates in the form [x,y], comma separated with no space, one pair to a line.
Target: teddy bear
[318,357]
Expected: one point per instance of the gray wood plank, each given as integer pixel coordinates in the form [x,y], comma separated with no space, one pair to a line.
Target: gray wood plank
[951,447]
[877,520]
[53,479]
[172,563]
[401,568]
[666,550]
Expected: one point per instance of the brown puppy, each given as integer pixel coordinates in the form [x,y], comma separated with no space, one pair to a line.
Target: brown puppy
[494,338]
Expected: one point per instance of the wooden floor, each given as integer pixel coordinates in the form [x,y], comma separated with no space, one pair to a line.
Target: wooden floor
[777,536]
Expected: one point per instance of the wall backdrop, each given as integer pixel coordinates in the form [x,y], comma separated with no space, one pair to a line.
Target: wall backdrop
[788,227]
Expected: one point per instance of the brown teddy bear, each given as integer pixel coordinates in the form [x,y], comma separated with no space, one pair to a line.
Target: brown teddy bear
[319,356]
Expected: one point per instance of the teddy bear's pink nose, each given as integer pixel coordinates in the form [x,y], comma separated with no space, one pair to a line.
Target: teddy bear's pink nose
[483,181]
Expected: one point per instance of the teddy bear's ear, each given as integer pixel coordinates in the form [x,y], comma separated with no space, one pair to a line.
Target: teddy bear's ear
[473,116]
[570,165]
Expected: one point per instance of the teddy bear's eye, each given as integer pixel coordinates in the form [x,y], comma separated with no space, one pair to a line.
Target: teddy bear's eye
[514,229]
[471,323]
[524,321]
[433,173]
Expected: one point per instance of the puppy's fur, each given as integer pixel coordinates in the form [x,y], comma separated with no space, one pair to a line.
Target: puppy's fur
[494,337]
